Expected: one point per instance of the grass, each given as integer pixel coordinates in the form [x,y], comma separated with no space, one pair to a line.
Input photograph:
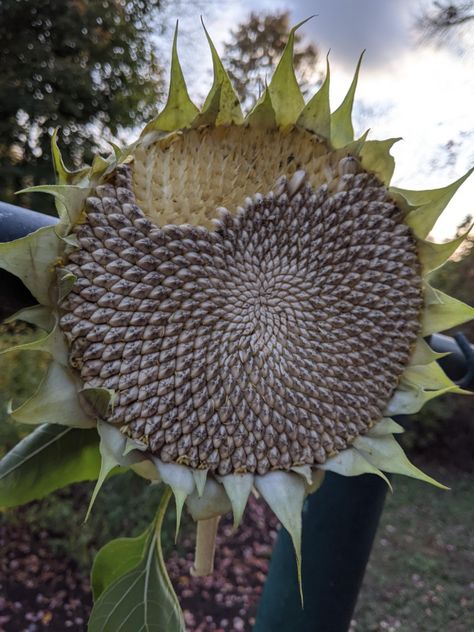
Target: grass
[419,578]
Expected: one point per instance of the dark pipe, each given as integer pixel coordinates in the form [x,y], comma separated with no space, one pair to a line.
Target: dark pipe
[16,222]
[339,525]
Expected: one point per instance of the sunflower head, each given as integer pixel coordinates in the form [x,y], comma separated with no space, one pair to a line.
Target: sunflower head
[239,302]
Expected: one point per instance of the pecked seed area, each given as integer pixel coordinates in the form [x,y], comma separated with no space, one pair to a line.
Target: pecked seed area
[271,341]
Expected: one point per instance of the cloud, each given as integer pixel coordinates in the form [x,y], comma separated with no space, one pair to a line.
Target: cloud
[347,27]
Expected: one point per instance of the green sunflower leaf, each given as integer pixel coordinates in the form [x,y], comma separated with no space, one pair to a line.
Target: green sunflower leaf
[138,597]
[117,558]
[229,106]
[284,90]
[49,458]
[179,111]
[342,130]
[316,114]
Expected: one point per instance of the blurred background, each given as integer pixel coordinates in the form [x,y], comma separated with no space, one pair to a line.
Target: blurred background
[98,70]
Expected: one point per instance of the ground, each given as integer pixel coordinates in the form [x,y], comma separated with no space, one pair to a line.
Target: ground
[419,577]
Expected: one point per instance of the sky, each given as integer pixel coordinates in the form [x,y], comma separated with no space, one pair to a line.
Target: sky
[409,86]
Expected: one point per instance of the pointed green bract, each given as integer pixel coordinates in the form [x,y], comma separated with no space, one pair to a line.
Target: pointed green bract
[385,426]
[112,446]
[32,259]
[284,492]
[342,130]
[376,157]
[200,477]
[408,401]
[38,315]
[262,116]
[445,314]
[430,204]
[429,377]
[69,199]
[432,256]
[316,114]
[229,106]
[179,111]
[349,462]
[210,114]
[284,90]
[181,481]
[65,282]
[424,354]
[26,473]
[386,453]
[98,402]
[53,343]
[55,402]
[63,174]
[238,488]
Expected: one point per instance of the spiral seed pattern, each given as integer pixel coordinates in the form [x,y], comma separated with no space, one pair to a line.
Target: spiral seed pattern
[273,341]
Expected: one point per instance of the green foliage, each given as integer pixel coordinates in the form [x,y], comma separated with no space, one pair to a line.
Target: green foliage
[443,429]
[20,375]
[254,49]
[49,458]
[87,67]
[135,596]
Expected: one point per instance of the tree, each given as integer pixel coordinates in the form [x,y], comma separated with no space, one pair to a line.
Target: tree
[254,50]
[84,66]
[443,18]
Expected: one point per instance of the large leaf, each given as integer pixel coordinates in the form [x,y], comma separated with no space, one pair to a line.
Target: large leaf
[49,458]
[117,558]
[141,599]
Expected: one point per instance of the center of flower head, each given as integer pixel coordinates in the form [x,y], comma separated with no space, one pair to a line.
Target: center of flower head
[272,341]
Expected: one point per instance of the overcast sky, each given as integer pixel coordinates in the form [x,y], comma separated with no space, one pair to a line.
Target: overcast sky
[407,87]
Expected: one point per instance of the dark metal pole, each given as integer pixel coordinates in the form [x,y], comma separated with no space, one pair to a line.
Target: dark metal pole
[16,222]
[339,525]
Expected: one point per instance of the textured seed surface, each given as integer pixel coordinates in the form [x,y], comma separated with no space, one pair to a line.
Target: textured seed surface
[272,341]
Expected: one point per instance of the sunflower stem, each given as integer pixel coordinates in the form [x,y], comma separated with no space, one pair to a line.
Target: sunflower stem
[205,547]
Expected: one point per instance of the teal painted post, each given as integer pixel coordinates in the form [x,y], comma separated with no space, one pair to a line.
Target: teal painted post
[339,525]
